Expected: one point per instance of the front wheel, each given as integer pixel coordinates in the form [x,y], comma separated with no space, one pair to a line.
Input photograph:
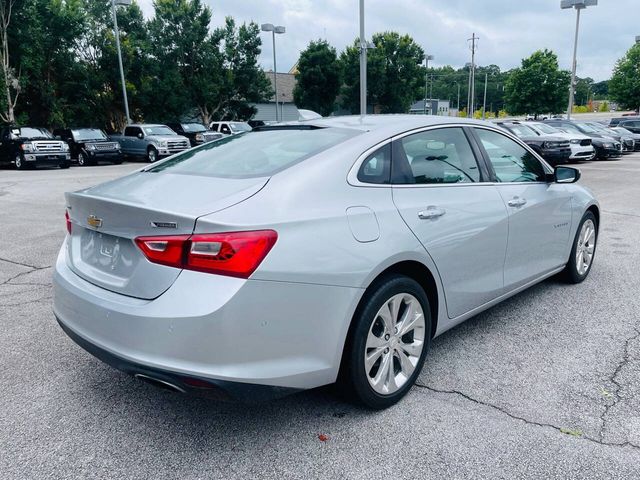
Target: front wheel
[388,344]
[83,160]
[152,155]
[583,250]
[19,162]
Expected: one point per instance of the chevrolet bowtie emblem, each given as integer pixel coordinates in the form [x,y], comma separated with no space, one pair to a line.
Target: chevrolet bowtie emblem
[94,221]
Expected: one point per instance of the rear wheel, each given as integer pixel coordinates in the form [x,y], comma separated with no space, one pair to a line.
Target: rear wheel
[152,155]
[583,250]
[388,344]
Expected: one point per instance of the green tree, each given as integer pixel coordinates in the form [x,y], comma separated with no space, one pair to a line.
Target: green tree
[584,88]
[319,77]
[242,81]
[624,86]
[538,86]
[395,78]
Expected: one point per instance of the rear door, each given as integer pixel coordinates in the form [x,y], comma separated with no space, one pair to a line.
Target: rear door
[539,211]
[441,192]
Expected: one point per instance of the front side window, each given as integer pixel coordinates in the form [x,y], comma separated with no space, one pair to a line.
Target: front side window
[511,161]
[439,156]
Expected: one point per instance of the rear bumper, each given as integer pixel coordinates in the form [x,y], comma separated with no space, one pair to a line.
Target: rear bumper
[221,330]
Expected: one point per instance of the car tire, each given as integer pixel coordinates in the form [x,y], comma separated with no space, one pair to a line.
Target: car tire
[83,160]
[384,378]
[152,155]
[583,250]
[19,162]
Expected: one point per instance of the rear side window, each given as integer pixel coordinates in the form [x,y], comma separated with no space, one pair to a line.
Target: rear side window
[377,167]
[255,154]
[440,156]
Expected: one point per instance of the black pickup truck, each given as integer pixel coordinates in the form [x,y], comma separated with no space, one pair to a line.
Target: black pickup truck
[30,147]
[90,145]
[195,132]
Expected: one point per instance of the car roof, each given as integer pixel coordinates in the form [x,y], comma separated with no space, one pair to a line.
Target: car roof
[388,124]
[147,125]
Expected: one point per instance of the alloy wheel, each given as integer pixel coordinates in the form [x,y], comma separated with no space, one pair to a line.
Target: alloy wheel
[586,247]
[394,343]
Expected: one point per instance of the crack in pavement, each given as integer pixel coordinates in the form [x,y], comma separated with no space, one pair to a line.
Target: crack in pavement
[620,213]
[615,382]
[525,420]
[22,264]
[21,274]
[27,302]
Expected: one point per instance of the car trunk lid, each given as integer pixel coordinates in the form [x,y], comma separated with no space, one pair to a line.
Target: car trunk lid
[107,218]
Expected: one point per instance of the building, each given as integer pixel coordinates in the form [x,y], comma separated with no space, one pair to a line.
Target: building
[434,107]
[266,111]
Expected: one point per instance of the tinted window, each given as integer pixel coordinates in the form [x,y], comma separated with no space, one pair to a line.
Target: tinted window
[511,162]
[377,167]
[131,131]
[255,154]
[435,156]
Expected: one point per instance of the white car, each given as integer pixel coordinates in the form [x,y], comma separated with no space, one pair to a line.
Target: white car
[230,128]
[581,147]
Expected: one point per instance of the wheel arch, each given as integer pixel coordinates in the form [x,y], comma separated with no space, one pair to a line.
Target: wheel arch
[596,213]
[413,269]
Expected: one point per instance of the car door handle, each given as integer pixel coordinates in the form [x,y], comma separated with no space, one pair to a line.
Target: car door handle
[517,202]
[431,212]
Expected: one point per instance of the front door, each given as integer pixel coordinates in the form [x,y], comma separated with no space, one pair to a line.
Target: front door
[459,218]
[539,211]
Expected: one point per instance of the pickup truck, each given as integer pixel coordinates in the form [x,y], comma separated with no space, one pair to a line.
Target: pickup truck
[90,145]
[30,147]
[195,132]
[150,141]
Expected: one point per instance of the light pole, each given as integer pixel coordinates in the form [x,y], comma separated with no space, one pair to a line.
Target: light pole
[578,5]
[426,79]
[472,75]
[117,34]
[269,27]
[458,104]
[484,102]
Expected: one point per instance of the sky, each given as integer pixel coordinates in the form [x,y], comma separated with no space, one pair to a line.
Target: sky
[509,30]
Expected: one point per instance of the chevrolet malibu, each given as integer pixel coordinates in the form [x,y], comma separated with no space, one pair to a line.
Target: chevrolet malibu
[299,255]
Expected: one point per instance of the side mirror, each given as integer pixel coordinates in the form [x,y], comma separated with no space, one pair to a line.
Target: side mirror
[566,175]
[140,136]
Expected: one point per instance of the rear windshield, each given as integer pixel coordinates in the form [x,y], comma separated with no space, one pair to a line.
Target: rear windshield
[255,154]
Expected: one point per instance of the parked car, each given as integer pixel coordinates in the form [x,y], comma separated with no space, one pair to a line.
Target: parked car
[230,128]
[279,260]
[605,145]
[30,147]
[195,132]
[628,133]
[631,125]
[90,146]
[581,148]
[553,148]
[614,122]
[627,141]
[151,141]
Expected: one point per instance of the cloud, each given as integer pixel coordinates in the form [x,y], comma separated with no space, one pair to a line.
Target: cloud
[508,29]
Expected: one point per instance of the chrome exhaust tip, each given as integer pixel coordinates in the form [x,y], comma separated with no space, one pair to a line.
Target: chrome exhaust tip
[158,383]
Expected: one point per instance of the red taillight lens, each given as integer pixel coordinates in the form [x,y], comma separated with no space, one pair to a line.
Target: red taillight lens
[68,220]
[235,254]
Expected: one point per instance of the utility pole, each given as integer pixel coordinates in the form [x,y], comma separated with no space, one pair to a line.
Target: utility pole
[458,105]
[363,64]
[427,57]
[117,33]
[472,78]
[484,102]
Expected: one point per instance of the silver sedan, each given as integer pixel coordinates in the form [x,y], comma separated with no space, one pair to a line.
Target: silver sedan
[302,254]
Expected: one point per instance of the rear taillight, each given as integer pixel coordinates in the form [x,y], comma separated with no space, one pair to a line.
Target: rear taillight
[68,220]
[235,254]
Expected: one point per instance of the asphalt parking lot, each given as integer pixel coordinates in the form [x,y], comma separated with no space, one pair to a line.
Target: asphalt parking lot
[545,385]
